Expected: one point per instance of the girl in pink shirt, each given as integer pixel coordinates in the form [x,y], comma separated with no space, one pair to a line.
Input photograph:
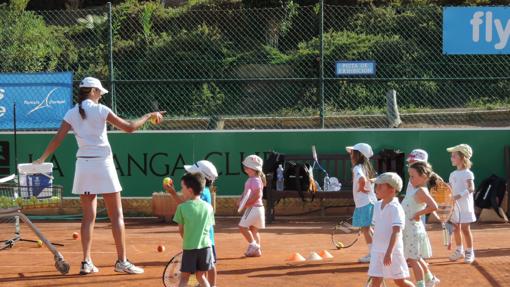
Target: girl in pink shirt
[254,213]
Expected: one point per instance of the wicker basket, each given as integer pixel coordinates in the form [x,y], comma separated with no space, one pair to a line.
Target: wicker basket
[163,206]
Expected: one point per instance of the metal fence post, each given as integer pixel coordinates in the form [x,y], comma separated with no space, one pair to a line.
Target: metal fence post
[321,64]
[110,58]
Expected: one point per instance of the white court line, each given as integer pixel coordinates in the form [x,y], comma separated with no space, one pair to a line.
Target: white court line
[136,249]
[282,130]
[65,252]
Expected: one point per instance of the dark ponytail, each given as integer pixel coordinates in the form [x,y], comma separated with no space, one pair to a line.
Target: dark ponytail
[434,180]
[82,96]
[359,158]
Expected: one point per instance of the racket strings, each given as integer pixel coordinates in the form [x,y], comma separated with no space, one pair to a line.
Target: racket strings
[343,228]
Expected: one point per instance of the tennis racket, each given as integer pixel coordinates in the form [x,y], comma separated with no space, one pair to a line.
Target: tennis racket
[172,273]
[243,201]
[344,235]
[321,173]
[442,194]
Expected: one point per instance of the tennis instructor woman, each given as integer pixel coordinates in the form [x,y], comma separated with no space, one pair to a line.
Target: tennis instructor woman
[95,171]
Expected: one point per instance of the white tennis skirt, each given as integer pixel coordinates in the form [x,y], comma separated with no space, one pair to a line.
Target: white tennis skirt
[95,176]
[254,216]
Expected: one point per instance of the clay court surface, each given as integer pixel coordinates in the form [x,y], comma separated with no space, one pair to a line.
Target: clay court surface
[28,265]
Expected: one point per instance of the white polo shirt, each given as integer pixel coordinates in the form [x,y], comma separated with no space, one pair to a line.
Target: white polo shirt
[384,219]
[362,198]
[90,132]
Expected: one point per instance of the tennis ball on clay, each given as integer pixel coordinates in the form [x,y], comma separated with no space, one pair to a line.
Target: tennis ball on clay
[39,243]
[76,235]
[168,181]
[161,248]
[339,244]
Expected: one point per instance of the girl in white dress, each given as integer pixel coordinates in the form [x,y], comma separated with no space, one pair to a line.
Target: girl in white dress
[417,203]
[463,186]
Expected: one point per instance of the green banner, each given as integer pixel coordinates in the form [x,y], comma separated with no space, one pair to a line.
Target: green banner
[143,159]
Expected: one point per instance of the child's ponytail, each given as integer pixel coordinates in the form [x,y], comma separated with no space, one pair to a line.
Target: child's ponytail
[365,163]
[434,178]
[262,177]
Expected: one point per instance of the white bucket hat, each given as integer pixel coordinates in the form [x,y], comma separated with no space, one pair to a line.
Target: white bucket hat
[90,82]
[205,167]
[254,162]
[363,148]
[418,155]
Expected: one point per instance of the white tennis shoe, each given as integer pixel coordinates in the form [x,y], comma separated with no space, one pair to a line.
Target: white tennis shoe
[127,267]
[88,267]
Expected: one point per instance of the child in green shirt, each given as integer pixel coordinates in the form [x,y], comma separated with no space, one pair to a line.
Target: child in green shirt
[195,218]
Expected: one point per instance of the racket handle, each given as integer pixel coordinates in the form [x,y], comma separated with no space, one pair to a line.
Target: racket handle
[446,236]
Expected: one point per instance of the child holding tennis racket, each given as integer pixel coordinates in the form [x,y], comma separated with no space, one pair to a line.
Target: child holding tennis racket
[195,218]
[463,186]
[363,191]
[254,215]
[417,203]
[210,173]
[387,254]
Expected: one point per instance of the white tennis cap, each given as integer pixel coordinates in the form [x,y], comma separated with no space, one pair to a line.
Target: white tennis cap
[90,82]
[390,178]
[254,162]
[363,148]
[205,167]
[418,155]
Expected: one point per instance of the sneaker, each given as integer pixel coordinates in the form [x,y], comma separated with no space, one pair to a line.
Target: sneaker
[432,282]
[251,248]
[127,267]
[87,268]
[456,255]
[364,259]
[253,251]
[256,252]
[469,257]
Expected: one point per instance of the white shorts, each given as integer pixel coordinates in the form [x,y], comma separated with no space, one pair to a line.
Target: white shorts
[95,176]
[462,216]
[254,216]
[397,270]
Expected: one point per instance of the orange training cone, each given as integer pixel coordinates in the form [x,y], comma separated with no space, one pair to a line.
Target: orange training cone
[296,257]
[326,255]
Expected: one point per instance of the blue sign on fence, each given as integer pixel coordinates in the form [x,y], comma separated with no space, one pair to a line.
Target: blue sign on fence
[355,68]
[476,30]
[42,99]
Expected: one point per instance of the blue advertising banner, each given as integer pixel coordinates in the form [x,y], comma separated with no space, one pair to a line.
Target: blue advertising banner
[42,99]
[355,68]
[476,30]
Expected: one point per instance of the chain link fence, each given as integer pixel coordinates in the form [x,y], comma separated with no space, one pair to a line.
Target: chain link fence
[215,68]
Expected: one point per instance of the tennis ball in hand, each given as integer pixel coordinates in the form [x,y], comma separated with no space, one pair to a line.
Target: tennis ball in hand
[39,243]
[76,235]
[168,181]
[161,248]
[155,120]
